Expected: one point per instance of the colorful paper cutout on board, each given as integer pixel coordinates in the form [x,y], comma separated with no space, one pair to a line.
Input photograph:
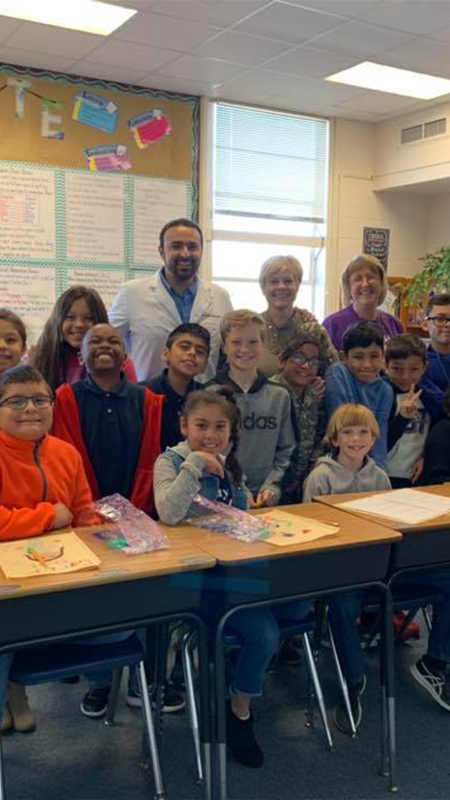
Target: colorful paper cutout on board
[107,158]
[46,555]
[150,127]
[291,529]
[97,112]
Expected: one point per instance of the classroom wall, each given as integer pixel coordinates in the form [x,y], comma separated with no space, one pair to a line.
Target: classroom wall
[354,204]
[397,165]
[438,227]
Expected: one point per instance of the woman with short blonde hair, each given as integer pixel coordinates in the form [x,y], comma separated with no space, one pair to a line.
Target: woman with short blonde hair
[280,278]
[364,288]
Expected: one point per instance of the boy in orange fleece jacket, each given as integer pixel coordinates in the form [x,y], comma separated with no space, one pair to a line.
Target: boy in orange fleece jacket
[42,487]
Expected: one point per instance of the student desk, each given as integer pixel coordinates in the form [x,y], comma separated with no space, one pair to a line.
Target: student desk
[260,574]
[423,546]
[125,592]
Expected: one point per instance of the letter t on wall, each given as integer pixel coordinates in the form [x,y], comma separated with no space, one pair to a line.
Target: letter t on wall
[19,85]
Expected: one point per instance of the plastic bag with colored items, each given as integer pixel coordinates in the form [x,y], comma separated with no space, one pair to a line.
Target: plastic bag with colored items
[131,530]
[220,518]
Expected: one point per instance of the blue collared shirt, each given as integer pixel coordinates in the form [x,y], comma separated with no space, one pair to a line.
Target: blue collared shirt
[183,302]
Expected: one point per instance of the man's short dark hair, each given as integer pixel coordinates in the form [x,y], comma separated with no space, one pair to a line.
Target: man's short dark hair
[175,223]
[363,334]
[22,374]
[405,345]
[190,329]
[442,299]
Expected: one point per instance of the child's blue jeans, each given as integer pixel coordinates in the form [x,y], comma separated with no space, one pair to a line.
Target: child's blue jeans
[345,608]
[257,629]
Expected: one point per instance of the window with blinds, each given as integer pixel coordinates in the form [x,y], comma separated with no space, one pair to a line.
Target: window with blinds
[269,198]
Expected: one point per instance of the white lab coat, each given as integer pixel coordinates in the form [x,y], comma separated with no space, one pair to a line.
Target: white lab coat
[145,313]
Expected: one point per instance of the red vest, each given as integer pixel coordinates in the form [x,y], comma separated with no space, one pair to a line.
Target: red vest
[67,426]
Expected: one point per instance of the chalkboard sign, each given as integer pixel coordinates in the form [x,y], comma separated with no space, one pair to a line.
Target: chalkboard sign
[376,243]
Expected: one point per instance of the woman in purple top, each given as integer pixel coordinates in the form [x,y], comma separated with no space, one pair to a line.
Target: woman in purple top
[364,288]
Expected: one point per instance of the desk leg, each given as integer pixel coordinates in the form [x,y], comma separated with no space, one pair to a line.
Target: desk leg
[221,729]
[388,766]
[2,775]
[205,706]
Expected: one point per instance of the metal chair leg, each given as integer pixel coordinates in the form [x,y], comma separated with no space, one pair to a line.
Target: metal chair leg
[150,732]
[113,696]
[186,654]
[317,687]
[427,612]
[342,682]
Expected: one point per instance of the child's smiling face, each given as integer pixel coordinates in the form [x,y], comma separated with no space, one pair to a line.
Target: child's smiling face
[302,367]
[353,443]
[34,420]
[207,429]
[364,363]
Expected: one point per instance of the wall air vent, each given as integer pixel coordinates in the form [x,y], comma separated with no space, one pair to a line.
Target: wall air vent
[426,130]
[413,134]
[435,128]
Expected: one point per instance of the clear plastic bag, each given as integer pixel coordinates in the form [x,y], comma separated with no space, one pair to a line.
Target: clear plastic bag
[131,531]
[227,520]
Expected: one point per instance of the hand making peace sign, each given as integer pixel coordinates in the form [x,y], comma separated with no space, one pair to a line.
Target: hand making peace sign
[409,407]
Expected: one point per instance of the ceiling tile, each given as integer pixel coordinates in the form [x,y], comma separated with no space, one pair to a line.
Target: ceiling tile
[26,58]
[345,8]
[108,72]
[135,56]
[413,16]
[158,31]
[289,23]
[311,62]
[443,34]
[380,103]
[351,113]
[216,12]
[422,55]
[241,48]
[8,27]
[48,39]
[362,39]
[171,84]
[199,69]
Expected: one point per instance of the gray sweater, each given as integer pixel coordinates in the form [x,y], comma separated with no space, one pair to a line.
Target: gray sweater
[330,477]
[268,437]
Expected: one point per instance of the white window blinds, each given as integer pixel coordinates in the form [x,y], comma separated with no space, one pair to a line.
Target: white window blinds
[269,164]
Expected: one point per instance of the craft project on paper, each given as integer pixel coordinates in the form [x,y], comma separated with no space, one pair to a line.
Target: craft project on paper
[96,111]
[150,127]
[290,529]
[107,158]
[46,555]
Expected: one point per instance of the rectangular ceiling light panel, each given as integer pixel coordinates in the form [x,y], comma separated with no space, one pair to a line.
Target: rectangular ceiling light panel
[89,16]
[381,78]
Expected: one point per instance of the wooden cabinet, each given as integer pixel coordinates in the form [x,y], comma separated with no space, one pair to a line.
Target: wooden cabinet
[410,316]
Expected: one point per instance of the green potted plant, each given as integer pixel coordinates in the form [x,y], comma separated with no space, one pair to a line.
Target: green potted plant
[432,279]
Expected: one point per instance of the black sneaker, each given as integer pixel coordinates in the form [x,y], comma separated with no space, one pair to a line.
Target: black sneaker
[241,740]
[172,704]
[95,702]
[176,678]
[290,652]
[435,681]
[340,715]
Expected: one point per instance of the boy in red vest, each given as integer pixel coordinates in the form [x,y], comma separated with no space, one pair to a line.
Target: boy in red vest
[116,427]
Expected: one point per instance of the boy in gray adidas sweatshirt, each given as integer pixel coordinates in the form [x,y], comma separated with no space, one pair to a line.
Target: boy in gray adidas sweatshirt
[269,434]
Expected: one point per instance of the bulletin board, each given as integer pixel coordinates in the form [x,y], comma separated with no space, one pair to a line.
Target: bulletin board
[89,173]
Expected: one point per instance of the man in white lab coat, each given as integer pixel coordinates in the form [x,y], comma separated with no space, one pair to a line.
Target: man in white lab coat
[147,309]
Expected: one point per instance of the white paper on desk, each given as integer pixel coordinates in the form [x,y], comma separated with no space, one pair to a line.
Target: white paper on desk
[402,505]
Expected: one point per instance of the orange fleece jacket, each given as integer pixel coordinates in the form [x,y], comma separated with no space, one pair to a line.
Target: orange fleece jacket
[34,476]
